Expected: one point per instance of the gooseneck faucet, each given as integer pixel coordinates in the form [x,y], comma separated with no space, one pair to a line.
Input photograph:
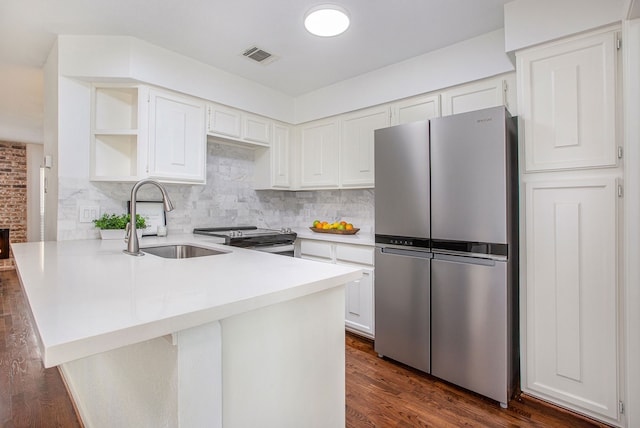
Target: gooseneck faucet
[133,246]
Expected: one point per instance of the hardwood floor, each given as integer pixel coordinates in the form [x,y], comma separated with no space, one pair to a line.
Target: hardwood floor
[383,393]
[380,393]
[30,395]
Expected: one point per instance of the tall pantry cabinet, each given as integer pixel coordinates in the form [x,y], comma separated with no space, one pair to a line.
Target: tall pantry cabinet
[571,171]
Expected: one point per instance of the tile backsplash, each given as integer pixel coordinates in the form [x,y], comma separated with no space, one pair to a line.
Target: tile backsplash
[228,199]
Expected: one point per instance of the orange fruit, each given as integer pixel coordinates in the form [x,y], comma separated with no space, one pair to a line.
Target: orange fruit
[349,226]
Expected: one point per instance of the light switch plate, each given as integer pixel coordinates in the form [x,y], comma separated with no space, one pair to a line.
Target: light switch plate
[88,213]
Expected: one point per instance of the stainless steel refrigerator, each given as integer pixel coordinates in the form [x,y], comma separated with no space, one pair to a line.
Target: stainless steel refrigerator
[452,299]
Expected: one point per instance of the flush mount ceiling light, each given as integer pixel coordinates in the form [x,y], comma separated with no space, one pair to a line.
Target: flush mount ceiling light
[326,20]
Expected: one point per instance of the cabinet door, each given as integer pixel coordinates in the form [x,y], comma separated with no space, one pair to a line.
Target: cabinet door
[474,96]
[416,109]
[273,164]
[281,157]
[359,304]
[567,103]
[319,155]
[570,340]
[257,129]
[356,146]
[177,146]
[224,121]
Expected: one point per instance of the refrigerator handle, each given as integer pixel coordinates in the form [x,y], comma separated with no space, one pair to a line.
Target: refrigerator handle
[465,260]
[406,253]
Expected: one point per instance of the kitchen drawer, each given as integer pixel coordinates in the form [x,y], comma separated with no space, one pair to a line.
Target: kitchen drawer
[355,254]
[316,249]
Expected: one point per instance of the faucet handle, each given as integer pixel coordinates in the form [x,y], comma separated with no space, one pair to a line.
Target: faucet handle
[127,232]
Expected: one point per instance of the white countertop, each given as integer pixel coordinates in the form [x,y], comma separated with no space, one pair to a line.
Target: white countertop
[88,296]
[359,238]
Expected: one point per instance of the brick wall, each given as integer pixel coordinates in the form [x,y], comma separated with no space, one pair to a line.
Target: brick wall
[13,194]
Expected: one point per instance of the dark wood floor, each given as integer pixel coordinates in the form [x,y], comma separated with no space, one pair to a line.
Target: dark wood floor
[30,395]
[383,393]
[380,393]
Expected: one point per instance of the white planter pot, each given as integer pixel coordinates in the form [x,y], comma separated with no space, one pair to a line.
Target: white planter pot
[116,233]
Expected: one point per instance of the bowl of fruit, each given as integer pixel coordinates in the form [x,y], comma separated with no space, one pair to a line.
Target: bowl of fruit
[338,227]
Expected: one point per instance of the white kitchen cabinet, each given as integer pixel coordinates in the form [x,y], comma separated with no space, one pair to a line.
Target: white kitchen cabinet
[273,164]
[568,107]
[571,314]
[141,132]
[415,108]
[118,138]
[359,302]
[356,146]
[485,93]
[570,337]
[319,154]
[256,129]
[224,121]
[177,138]
[233,126]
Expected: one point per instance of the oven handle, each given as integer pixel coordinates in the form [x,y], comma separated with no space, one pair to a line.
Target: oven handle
[275,249]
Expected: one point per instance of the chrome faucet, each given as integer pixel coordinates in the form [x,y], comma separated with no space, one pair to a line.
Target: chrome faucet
[133,246]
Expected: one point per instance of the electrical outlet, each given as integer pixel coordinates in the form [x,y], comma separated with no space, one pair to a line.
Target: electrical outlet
[88,213]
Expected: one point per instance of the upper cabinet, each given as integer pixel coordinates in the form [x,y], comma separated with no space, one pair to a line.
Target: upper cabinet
[118,142]
[356,146]
[319,154]
[138,132]
[568,103]
[177,149]
[238,127]
[273,164]
[415,109]
[223,121]
[478,95]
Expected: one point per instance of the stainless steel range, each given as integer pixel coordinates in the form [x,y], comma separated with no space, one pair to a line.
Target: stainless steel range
[266,240]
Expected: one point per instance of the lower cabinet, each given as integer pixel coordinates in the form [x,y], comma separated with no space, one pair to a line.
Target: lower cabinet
[359,310]
[570,312]
[359,304]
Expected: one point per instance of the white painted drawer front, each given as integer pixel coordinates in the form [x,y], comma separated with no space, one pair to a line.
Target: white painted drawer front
[315,249]
[355,254]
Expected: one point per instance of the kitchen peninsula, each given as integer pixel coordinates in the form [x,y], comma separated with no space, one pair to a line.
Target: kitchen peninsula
[236,339]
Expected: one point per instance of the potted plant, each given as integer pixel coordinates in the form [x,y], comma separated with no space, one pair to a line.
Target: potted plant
[112,226]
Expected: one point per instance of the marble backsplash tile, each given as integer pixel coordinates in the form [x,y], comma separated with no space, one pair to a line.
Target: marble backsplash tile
[228,199]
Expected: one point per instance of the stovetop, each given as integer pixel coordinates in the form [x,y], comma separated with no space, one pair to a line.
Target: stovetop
[245,236]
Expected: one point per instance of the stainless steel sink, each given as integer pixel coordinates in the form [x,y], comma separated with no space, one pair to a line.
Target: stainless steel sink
[181,251]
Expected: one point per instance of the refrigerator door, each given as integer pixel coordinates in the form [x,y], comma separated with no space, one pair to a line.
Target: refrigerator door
[402,299]
[469,177]
[402,180]
[470,336]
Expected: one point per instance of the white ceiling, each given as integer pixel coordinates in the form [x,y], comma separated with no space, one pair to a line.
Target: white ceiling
[216,32]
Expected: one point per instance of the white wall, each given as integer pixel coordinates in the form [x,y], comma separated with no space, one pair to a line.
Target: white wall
[34,161]
[21,103]
[470,60]
[529,22]
[50,137]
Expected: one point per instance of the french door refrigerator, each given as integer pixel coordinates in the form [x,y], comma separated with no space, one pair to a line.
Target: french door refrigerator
[446,295]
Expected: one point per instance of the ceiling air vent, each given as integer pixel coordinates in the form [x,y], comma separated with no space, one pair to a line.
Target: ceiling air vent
[259,55]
